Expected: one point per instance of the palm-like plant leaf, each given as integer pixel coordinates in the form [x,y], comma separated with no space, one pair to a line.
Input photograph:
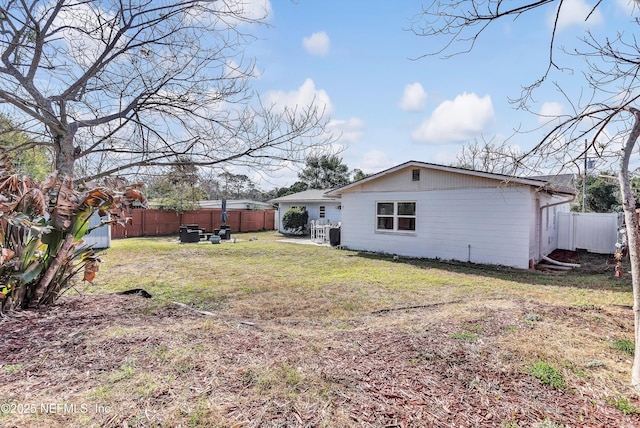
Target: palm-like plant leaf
[66,205]
[40,255]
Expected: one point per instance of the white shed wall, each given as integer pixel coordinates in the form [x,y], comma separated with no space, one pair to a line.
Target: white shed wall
[100,237]
[489,225]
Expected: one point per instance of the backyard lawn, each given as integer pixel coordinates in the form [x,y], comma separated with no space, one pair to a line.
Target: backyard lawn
[261,333]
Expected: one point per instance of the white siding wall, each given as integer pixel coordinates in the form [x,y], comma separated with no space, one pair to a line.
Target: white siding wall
[332,213]
[488,225]
[313,208]
[282,208]
[430,179]
[534,226]
[549,223]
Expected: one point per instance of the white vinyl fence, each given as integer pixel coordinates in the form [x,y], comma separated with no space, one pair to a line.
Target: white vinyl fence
[594,232]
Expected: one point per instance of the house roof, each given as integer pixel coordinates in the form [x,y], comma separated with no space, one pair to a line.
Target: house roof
[544,184]
[312,195]
[559,181]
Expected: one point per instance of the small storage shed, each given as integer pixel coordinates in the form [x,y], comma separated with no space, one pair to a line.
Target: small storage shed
[317,204]
[420,209]
[101,236]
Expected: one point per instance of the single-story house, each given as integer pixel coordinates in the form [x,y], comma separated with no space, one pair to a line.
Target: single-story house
[317,204]
[420,209]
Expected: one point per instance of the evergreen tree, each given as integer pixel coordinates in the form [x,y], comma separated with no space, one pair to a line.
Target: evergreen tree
[324,172]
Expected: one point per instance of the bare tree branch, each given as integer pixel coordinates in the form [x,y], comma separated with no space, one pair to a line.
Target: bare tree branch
[118,86]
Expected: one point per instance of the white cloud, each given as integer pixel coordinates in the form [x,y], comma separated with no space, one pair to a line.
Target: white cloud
[448,155]
[257,9]
[301,97]
[285,176]
[550,111]
[348,131]
[413,98]
[78,26]
[317,44]
[242,9]
[460,120]
[374,161]
[627,6]
[238,71]
[575,12]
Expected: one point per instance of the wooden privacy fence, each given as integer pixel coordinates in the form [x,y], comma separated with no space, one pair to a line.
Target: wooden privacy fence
[157,223]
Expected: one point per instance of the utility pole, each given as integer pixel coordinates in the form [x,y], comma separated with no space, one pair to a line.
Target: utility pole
[584,177]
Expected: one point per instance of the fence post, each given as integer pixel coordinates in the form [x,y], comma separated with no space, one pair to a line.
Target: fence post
[143,220]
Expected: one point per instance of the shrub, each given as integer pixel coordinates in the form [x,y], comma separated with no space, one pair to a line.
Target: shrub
[548,375]
[295,220]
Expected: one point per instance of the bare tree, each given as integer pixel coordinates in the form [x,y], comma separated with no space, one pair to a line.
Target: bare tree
[489,157]
[121,86]
[600,113]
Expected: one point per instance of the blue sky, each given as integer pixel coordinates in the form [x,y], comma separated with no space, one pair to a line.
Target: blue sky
[358,58]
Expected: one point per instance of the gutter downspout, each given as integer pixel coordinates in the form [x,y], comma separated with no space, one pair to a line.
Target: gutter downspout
[571,199]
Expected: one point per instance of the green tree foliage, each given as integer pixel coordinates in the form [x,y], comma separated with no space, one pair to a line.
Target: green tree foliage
[296,187]
[324,172]
[358,175]
[27,158]
[185,185]
[294,220]
[236,186]
[179,189]
[603,195]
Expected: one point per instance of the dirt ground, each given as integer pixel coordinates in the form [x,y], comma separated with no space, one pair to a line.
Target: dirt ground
[122,361]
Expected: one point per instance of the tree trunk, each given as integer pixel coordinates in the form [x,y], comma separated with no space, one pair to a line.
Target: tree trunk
[631,221]
[64,152]
[43,285]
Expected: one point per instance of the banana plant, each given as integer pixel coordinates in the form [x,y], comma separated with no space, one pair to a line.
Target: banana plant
[42,226]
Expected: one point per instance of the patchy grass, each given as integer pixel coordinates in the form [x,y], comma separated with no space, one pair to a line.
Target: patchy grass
[12,368]
[249,270]
[277,334]
[464,335]
[624,405]
[626,346]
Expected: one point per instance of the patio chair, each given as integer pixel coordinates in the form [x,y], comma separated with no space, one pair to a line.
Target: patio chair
[320,234]
[312,229]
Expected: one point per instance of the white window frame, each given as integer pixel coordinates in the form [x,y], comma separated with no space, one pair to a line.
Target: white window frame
[395,216]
